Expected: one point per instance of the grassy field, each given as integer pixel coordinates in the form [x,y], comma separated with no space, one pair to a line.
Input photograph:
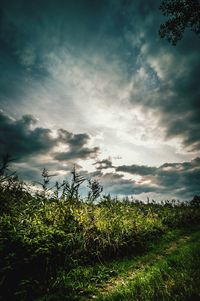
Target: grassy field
[163,274]
[66,248]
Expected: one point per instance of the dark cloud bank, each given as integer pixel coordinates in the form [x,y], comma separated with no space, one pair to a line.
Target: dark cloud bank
[21,138]
[26,142]
[178,179]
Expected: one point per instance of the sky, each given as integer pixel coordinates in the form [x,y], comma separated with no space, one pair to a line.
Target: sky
[90,82]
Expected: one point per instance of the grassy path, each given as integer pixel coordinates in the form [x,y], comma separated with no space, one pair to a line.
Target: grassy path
[140,265]
[169,270]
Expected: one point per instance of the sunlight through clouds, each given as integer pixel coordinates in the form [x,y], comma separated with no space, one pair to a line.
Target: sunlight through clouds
[101,74]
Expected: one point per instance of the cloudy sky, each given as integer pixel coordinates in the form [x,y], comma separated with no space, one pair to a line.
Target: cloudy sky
[90,82]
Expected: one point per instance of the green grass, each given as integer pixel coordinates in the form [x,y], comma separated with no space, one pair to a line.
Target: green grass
[167,271]
[173,276]
[72,249]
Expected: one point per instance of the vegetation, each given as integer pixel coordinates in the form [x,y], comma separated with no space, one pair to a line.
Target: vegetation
[57,246]
[181,14]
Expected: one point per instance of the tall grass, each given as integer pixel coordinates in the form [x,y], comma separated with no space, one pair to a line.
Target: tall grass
[42,233]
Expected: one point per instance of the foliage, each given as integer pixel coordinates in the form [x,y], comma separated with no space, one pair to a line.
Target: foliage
[182,14]
[44,237]
[95,190]
[71,190]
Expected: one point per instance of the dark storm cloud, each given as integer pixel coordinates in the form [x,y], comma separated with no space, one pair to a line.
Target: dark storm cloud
[18,138]
[77,146]
[137,169]
[21,138]
[103,164]
[182,117]
[47,23]
[183,177]
[177,100]
[75,153]
[180,178]
[170,86]
[170,179]
[115,184]
[31,31]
